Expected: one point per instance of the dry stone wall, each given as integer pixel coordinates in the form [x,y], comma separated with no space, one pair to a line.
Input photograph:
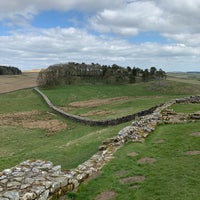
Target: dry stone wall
[91,122]
[41,180]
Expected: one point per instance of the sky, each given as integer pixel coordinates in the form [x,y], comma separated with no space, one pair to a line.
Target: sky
[142,33]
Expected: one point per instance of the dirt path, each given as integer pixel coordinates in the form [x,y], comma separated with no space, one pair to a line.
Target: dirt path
[10,83]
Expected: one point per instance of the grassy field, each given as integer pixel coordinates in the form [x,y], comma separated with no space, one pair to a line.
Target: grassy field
[172,174]
[77,142]
[193,78]
[138,97]
[10,83]
[66,147]
[185,108]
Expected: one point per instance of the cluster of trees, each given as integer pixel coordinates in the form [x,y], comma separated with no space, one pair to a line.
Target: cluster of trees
[7,70]
[71,73]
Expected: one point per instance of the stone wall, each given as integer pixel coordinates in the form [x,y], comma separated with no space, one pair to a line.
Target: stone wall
[191,99]
[91,122]
[38,179]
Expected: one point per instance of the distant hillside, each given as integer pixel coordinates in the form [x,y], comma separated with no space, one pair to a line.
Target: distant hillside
[8,70]
[187,77]
[194,72]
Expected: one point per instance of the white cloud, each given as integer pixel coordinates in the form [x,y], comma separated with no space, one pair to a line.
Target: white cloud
[183,15]
[24,7]
[46,47]
[120,16]
[192,40]
[163,16]
[129,19]
[21,12]
[177,20]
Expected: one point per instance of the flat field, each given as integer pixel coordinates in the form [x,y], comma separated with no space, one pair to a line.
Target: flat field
[14,82]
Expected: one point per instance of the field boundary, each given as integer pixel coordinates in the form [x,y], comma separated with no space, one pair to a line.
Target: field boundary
[91,122]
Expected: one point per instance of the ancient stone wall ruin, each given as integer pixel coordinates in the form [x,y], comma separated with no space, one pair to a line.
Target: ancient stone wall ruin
[38,179]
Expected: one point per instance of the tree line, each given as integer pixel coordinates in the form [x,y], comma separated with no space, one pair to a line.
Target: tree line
[72,73]
[8,70]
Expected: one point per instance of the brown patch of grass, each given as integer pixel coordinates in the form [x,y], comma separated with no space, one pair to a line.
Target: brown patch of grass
[15,117]
[132,154]
[159,141]
[32,120]
[32,70]
[146,160]
[190,153]
[97,112]
[133,179]
[106,195]
[51,126]
[97,102]
[15,82]
[197,134]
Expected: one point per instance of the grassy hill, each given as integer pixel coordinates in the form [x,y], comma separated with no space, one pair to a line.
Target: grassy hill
[24,134]
[76,99]
[185,77]
[156,169]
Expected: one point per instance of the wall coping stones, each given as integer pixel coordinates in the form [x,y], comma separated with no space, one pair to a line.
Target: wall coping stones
[41,180]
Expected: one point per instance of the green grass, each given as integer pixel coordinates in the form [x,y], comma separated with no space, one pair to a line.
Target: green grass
[171,175]
[120,109]
[141,96]
[192,78]
[22,100]
[62,96]
[185,108]
[174,175]
[67,148]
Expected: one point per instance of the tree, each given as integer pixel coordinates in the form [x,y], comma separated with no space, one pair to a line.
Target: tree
[145,75]
[153,71]
[8,70]
[131,75]
[70,73]
[160,74]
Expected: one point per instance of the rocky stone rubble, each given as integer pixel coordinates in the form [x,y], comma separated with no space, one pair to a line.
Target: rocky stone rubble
[140,129]
[38,179]
[191,99]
